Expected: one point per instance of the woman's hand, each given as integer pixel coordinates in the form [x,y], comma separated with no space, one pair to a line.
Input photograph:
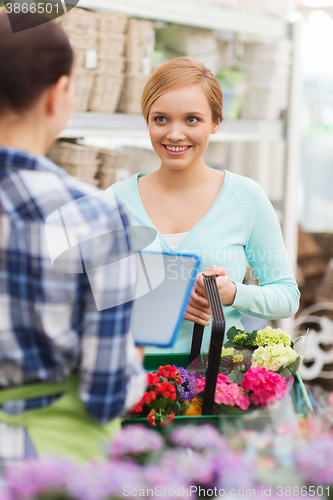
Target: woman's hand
[198,309]
[227,288]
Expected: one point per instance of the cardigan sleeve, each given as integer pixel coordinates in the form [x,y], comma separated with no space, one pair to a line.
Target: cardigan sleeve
[277,295]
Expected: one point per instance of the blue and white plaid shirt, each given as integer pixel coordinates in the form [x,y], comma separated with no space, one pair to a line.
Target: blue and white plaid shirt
[50,325]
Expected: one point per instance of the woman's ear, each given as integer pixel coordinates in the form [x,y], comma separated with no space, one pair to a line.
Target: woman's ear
[216,127]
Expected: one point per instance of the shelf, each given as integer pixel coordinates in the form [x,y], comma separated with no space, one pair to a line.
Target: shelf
[200,15]
[133,127]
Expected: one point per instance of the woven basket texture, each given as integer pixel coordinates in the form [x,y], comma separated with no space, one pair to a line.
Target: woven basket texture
[115,65]
[111,23]
[79,21]
[110,46]
[106,92]
[130,100]
[66,153]
[84,81]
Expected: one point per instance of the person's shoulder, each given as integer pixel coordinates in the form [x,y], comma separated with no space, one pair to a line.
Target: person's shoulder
[246,189]
[123,188]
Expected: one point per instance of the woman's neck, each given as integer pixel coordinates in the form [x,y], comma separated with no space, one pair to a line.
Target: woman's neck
[24,132]
[183,179]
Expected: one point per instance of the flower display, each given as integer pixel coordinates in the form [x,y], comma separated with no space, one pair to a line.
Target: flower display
[264,386]
[253,371]
[273,357]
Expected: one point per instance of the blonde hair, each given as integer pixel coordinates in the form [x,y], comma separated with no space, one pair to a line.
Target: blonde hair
[182,72]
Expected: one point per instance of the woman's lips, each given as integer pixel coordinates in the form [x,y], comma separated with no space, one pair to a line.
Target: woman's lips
[176,153]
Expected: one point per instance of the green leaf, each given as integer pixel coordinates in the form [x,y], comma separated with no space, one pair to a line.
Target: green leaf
[290,369]
[226,365]
[251,337]
[232,332]
[236,376]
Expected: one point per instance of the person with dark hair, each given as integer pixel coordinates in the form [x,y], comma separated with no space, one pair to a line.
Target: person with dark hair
[67,367]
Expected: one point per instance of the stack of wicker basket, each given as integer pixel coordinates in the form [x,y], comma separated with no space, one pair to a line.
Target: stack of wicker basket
[79,161]
[112,167]
[81,27]
[109,77]
[140,40]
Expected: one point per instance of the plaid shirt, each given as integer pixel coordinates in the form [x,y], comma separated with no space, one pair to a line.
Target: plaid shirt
[50,324]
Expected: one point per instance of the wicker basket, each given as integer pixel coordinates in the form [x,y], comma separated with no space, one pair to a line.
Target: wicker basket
[112,167]
[79,21]
[137,65]
[140,39]
[84,81]
[65,153]
[106,92]
[111,23]
[84,172]
[114,66]
[111,46]
[130,100]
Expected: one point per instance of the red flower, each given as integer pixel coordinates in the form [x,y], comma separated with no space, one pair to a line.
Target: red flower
[167,394]
[152,379]
[147,398]
[136,409]
[172,416]
[151,418]
[173,397]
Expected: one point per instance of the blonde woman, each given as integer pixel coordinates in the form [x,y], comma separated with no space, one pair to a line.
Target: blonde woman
[225,218]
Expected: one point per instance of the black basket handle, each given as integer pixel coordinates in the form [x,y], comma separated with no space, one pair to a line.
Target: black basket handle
[216,343]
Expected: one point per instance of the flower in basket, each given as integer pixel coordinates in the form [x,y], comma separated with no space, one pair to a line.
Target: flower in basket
[263,387]
[270,348]
[227,393]
[274,357]
[162,400]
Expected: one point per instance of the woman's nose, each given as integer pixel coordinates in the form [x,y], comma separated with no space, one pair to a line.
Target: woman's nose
[176,133]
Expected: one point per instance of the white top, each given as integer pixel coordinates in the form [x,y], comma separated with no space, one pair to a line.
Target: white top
[173,240]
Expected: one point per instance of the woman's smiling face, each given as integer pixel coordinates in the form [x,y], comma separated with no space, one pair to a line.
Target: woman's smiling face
[180,125]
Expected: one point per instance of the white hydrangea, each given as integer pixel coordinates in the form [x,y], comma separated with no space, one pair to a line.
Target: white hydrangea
[272,357]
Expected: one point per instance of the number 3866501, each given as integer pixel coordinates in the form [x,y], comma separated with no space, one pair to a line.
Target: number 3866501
[33,8]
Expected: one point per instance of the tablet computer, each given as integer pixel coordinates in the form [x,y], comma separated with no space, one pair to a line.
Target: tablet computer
[158,315]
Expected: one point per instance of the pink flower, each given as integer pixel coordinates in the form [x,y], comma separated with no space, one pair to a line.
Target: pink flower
[227,392]
[266,386]
[330,399]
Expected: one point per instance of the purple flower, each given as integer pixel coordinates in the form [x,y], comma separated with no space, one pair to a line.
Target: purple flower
[188,389]
[135,441]
[158,479]
[103,481]
[314,461]
[34,477]
[203,438]
[233,472]
[196,469]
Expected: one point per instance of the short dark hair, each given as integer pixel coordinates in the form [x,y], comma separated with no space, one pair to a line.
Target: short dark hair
[31,60]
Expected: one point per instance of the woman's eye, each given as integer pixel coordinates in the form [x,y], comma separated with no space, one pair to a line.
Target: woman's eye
[192,119]
[160,119]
